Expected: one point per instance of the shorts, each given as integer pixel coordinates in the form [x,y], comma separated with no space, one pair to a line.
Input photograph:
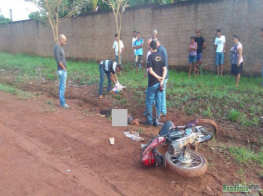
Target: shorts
[192,58]
[138,59]
[235,70]
[199,57]
[220,58]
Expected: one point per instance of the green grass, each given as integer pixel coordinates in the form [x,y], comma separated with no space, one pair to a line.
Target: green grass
[245,156]
[208,95]
[233,115]
[10,89]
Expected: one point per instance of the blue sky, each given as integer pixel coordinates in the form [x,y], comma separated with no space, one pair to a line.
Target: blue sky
[20,9]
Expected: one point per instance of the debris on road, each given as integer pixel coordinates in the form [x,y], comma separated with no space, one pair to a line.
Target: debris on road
[134,136]
[111,140]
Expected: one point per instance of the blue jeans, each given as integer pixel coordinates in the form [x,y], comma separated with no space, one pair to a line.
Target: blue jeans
[117,59]
[102,71]
[163,97]
[138,60]
[153,94]
[220,58]
[62,86]
[192,58]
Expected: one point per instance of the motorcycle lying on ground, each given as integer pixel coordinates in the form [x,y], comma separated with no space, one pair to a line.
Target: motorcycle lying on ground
[176,147]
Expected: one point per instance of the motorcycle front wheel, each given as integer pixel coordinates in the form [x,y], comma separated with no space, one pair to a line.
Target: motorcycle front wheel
[192,164]
[208,129]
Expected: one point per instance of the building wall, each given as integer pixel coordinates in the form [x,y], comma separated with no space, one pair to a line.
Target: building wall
[91,36]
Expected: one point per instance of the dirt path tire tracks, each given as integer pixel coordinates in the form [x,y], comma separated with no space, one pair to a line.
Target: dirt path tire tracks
[89,180]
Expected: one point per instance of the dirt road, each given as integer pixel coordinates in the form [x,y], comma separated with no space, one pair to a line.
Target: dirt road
[48,151]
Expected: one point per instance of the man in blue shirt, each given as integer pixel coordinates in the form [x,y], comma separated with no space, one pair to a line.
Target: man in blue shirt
[138,45]
[163,52]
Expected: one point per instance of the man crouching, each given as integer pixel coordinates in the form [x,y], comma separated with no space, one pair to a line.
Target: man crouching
[156,76]
[110,68]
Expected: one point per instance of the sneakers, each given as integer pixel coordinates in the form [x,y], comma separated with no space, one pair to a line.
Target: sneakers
[156,123]
[66,106]
[147,123]
[101,97]
[163,114]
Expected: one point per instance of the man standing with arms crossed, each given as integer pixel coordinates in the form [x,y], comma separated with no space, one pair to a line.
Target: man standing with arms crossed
[220,46]
[61,69]
[200,46]
[138,45]
[157,73]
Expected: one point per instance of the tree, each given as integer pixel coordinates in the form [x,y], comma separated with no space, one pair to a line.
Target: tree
[118,8]
[52,12]
[3,20]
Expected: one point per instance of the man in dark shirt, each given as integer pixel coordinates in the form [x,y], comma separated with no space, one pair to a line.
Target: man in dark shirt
[61,69]
[156,76]
[163,52]
[200,46]
[110,68]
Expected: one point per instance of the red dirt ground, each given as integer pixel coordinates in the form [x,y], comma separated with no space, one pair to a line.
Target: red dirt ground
[39,143]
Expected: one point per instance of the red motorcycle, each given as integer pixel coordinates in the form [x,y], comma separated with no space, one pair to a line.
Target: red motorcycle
[176,147]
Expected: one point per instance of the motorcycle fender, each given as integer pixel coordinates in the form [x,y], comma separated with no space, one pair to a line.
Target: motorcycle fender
[148,159]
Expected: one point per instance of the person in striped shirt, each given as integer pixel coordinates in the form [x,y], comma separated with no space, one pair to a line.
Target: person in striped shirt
[110,68]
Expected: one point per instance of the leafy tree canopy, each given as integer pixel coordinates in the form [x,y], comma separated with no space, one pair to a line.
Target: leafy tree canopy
[3,20]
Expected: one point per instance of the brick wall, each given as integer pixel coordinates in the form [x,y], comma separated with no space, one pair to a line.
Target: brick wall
[91,36]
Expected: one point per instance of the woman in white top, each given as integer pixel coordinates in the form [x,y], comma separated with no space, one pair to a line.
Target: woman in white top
[236,58]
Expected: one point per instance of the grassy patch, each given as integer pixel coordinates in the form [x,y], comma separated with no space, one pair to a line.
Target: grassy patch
[245,156]
[233,115]
[208,95]
[10,89]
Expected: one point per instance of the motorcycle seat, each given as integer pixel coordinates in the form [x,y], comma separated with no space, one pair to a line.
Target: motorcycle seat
[175,135]
[167,126]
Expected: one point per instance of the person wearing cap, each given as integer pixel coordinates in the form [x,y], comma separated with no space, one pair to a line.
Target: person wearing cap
[154,36]
[200,46]
[192,58]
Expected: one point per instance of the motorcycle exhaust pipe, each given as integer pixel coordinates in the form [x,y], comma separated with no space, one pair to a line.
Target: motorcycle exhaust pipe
[180,143]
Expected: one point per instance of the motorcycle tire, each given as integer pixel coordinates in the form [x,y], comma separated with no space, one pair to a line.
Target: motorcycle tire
[183,169]
[208,124]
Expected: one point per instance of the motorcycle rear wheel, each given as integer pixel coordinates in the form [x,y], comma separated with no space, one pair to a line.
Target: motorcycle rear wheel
[195,165]
[209,129]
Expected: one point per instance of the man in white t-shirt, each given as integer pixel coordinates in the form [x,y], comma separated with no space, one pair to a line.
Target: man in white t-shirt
[134,50]
[115,48]
[220,46]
